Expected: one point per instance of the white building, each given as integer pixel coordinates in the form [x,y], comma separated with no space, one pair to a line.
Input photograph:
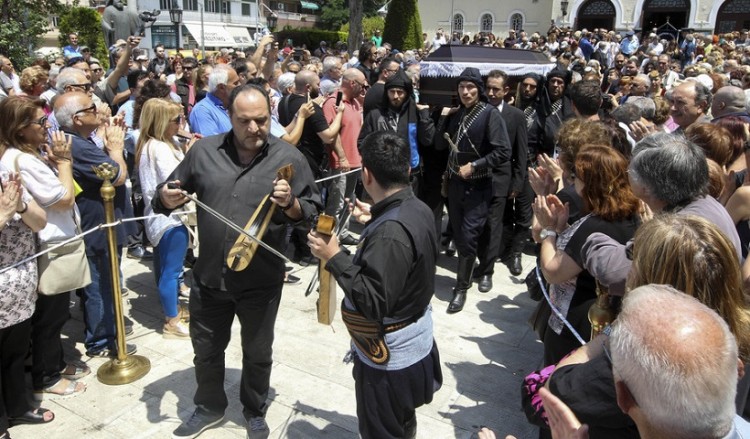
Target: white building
[498,17]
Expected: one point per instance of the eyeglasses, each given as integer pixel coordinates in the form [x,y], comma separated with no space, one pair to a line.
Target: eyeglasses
[41,122]
[85,87]
[91,109]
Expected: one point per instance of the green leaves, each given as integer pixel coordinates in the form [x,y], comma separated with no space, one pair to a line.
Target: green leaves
[24,22]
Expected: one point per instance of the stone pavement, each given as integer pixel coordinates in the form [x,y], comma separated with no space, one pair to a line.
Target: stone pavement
[485,351]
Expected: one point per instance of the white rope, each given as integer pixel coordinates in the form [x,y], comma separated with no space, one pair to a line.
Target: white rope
[554,308]
[338,175]
[80,236]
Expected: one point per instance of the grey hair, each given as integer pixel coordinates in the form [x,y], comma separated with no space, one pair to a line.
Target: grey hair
[220,75]
[69,76]
[65,111]
[645,105]
[684,388]
[702,93]
[285,81]
[330,62]
[644,78]
[672,169]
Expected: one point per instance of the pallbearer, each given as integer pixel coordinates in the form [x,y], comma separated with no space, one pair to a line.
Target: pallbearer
[479,145]
[388,286]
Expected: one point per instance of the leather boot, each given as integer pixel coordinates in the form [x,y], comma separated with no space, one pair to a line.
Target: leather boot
[514,265]
[463,283]
[450,249]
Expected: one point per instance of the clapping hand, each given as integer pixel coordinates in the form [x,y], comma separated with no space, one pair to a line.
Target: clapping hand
[60,150]
[9,199]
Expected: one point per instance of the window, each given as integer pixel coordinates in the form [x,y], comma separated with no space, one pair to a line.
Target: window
[190,5]
[54,21]
[211,6]
[226,7]
[485,23]
[279,6]
[458,23]
[246,9]
[516,22]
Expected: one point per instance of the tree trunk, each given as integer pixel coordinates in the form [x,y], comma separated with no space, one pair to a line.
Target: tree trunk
[355,25]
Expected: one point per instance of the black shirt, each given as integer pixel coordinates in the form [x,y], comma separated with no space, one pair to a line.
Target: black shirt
[394,272]
[310,143]
[212,170]
[373,98]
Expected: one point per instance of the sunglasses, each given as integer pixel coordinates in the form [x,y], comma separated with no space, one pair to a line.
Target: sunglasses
[177,119]
[85,87]
[41,122]
[91,109]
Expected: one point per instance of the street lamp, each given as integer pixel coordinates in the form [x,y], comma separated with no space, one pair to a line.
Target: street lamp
[272,19]
[564,8]
[175,16]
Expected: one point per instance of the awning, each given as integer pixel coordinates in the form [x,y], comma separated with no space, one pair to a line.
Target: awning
[214,36]
[240,35]
[309,5]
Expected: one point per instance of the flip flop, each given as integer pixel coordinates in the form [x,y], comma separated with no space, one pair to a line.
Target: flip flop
[35,416]
[75,372]
[73,388]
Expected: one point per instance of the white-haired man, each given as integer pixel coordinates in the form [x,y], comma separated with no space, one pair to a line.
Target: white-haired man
[209,116]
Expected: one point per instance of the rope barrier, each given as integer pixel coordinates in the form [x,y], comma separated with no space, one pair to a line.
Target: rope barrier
[554,308]
[79,236]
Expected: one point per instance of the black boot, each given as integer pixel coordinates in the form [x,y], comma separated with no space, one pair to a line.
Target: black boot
[514,264]
[450,249]
[463,283]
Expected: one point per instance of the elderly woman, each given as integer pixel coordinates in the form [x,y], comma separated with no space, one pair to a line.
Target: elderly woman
[50,182]
[688,253]
[609,207]
[33,82]
[20,218]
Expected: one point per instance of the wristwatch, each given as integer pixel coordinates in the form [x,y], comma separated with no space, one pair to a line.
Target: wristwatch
[546,233]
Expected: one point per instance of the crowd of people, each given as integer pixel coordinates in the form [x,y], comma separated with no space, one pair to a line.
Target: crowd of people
[626,164]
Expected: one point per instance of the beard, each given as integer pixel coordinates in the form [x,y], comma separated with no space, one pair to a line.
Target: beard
[314,93]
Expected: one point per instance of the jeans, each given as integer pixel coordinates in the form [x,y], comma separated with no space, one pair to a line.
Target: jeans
[168,257]
[98,305]
[339,189]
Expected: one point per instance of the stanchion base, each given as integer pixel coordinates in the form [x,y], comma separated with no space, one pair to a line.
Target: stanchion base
[116,372]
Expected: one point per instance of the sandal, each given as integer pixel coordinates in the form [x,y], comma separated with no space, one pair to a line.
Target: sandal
[75,371]
[35,416]
[5,435]
[54,392]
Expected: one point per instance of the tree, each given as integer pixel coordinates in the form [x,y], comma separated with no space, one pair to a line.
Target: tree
[334,14]
[403,27]
[369,25]
[24,22]
[87,23]
[355,25]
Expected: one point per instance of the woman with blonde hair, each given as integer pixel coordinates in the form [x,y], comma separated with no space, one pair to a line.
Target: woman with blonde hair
[690,254]
[33,82]
[157,154]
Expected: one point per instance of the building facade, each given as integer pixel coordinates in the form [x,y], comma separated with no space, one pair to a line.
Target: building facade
[704,16]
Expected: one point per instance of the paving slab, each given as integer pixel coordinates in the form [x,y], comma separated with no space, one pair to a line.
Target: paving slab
[485,351]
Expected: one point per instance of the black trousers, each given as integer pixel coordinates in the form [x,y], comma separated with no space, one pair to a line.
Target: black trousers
[46,347]
[492,235]
[14,345]
[468,205]
[386,400]
[211,315]
[517,221]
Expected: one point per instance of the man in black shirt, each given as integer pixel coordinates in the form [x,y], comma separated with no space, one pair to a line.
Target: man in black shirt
[388,286]
[374,96]
[315,136]
[232,173]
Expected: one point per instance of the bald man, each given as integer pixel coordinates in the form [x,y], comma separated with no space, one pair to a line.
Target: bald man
[316,134]
[690,103]
[344,154]
[729,101]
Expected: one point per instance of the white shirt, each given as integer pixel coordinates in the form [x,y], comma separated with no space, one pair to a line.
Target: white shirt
[157,162]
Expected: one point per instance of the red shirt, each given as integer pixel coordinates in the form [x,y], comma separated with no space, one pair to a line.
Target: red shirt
[351,124]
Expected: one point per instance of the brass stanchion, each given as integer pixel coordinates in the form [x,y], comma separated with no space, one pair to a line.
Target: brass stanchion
[603,311]
[125,368]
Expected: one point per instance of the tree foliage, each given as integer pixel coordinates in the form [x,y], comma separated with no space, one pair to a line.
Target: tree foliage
[23,24]
[87,23]
[369,25]
[403,27]
[337,13]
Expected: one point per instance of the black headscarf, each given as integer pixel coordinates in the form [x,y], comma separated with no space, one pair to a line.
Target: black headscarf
[472,74]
